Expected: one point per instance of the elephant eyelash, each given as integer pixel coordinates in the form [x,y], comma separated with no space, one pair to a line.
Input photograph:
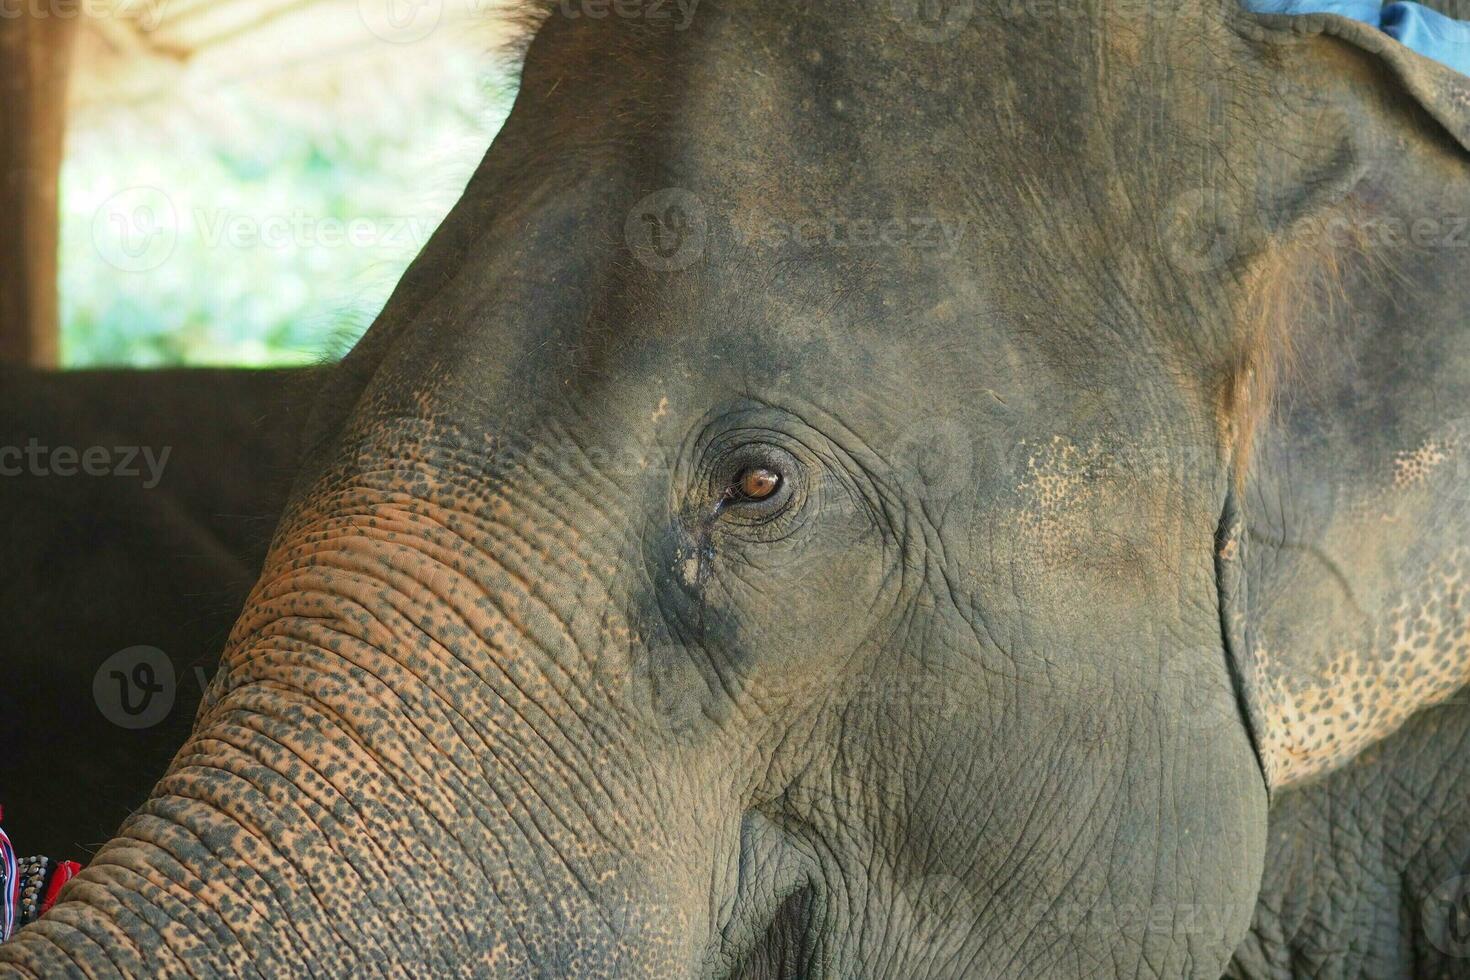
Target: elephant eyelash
[754,486]
[750,485]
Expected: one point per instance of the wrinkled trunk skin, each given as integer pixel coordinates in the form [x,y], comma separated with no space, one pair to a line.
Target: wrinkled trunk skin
[397,764]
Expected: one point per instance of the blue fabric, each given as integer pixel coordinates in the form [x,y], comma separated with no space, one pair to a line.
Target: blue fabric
[9,888]
[1413,25]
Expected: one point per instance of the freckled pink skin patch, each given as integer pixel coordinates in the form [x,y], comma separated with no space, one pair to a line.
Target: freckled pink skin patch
[1396,649]
[1418,655]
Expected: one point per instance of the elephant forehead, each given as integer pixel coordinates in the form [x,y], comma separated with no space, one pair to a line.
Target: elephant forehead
[1113,510]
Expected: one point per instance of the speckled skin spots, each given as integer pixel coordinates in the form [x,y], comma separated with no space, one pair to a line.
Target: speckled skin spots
[1416,657]
[1412,467]
[1402,643]
[1059,479]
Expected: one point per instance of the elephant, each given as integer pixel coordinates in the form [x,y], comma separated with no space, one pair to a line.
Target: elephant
[147,545]
[1007,521]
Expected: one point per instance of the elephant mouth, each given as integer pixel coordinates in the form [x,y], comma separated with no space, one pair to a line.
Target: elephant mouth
[785,950]
[773,928]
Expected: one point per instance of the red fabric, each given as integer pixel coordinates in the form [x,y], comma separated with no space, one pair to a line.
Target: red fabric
[65,871]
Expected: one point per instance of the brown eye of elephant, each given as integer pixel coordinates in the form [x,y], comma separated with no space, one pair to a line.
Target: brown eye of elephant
[756,483]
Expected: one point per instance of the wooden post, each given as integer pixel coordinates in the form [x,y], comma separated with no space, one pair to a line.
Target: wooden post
[35,58]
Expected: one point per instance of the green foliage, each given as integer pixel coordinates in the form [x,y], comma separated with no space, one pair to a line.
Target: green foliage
[253,236]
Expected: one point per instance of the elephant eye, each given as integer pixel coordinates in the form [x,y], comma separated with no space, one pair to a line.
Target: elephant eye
[755,484]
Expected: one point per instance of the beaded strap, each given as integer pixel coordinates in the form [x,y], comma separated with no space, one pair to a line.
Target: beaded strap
[31,884]
[9,887]
[28,886]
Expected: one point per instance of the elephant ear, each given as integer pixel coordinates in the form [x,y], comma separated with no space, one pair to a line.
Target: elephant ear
[1432,71]
[1344,554]
[1326,106]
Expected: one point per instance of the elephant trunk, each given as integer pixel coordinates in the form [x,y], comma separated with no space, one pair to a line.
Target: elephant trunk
[407,757]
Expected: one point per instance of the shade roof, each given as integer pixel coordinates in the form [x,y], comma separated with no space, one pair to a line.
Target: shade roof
[133,52]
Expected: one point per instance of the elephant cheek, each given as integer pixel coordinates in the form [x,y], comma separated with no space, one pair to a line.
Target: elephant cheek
[405,682]
[1103,829]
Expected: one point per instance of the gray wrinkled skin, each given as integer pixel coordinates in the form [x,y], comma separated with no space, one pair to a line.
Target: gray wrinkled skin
[997,681]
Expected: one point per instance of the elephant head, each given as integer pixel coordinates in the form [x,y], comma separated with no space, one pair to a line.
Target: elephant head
[787,522]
